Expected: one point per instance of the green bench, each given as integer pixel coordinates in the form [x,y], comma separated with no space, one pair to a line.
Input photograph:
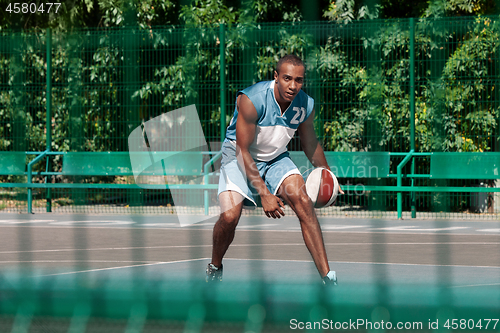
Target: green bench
[465,165]
[119,164]
[12,163]
[90,164]
[377,164]
[351,165]
[150,168]
[481,166]
[147,164]
[152,164]
[362,165]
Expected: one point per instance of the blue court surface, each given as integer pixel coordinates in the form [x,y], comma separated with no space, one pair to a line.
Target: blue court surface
[350,274]
[415,269]
[455,254]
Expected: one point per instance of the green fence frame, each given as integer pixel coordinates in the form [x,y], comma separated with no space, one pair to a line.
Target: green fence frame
[426,79]
[254,304]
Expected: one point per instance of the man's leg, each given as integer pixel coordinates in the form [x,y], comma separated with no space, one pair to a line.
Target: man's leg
[231,204]
[292,190]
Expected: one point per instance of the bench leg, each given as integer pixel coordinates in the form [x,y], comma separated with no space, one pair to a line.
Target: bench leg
[29,201]
[49,200]
[400,205]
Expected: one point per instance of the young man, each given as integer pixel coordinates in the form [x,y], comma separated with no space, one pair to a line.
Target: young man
[256,167]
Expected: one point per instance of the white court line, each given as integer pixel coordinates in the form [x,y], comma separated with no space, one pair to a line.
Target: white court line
[284,229]
[110,249]
[339,227]
[185,260]
[248,245]
[268,260]
[102,269]
[120,267]
[477,285]
[333,263]
[367,263]
[98,222]
[70,261]
[414,228]
[417,243]
[489,230]
[159,224]
[377,231]
[199,224]
[257,226]
[24,221]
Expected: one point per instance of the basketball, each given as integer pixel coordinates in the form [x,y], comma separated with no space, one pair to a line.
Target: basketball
[322,187]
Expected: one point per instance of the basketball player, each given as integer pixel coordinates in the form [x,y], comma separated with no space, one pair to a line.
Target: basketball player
[256,168]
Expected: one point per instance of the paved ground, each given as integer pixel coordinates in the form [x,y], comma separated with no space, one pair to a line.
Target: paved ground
[458,254]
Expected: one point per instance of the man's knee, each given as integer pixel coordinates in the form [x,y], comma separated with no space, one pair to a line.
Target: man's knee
[302,199]
[230,217]
[299,200]
[295,192]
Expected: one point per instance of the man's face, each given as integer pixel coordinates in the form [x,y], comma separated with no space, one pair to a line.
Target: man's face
[289,81]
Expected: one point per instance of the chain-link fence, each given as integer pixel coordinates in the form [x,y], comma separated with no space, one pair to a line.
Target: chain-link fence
[390,86]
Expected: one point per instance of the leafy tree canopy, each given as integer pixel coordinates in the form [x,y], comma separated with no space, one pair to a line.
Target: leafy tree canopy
[148,13]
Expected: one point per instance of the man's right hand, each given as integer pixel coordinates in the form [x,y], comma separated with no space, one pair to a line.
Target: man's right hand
[272,206]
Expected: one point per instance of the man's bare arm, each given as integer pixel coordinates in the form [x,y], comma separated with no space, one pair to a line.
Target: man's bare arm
[311,145]
[245,136]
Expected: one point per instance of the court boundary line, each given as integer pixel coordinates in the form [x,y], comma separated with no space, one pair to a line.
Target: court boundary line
[243,245]
[368,263]
[131,227]
[120,267]
[75,260]
[341,217]
[280,260]
[477,285]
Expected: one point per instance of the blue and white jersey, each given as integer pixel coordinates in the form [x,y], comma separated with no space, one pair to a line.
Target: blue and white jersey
[274,131]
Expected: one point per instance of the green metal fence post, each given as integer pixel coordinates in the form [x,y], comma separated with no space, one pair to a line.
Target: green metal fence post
[30,176]
[412,109]
[48,97]
[373,131]
[48,101]
[75,105]
[222,50]
[15,46]
[222,45]
[206,168]
[400,183]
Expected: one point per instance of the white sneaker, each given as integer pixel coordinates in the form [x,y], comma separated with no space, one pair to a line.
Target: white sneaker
[330,278]
[213,273]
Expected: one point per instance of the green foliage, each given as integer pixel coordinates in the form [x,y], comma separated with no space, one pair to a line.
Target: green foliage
[206,12]
[145,14]
[358,71]
[440,8]
[347,11]
[344,119]
[257,11]
[284,41]
[456,109]
[470,118]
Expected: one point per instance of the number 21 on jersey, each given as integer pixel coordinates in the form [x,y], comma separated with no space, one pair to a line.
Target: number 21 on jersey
[299,113]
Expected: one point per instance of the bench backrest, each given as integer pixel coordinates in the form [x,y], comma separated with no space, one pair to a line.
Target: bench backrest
[119,163]
[465,165]
[12,163]
[350,164]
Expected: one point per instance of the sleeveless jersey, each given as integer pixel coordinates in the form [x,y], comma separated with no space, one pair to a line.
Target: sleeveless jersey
[274,131]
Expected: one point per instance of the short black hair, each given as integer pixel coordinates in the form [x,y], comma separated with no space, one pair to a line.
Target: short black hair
[292,59]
